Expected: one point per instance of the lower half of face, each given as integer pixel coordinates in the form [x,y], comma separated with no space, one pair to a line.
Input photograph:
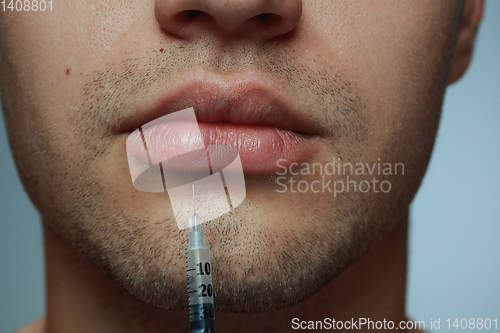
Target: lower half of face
[377,104]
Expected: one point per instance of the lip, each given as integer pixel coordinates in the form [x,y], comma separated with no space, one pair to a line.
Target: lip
[247,112]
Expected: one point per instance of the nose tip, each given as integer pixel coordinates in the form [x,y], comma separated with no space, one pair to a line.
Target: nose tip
[265,19]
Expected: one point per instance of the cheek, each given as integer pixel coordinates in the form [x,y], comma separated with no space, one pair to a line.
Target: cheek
[45,49]
[45,57]
[399,57]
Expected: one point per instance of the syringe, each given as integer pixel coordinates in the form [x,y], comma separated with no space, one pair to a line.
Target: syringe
[199,278]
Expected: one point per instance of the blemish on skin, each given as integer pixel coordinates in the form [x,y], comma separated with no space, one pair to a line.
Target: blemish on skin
[68,70]
[161,50]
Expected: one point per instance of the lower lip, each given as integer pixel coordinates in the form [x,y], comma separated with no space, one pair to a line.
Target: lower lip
[262,149]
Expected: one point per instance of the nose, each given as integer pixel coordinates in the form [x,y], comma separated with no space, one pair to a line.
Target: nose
[265,19]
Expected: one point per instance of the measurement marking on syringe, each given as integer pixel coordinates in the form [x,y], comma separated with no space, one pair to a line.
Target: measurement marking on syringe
[192,269]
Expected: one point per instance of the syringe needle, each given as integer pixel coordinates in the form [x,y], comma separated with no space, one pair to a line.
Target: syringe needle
[194,221]
[194,202]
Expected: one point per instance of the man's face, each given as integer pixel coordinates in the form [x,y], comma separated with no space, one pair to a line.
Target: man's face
[365,81]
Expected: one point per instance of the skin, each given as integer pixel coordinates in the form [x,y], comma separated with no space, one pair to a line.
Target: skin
[371,75]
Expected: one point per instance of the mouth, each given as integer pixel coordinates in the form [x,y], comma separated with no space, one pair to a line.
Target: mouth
[249,113]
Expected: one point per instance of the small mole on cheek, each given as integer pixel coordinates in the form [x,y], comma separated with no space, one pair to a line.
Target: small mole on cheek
[68,70]
[161,50]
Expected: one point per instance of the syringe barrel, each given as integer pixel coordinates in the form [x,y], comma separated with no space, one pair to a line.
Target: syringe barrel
[200,289]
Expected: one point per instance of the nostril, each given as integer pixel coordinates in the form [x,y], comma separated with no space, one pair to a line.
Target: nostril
[191,14]
[267,17]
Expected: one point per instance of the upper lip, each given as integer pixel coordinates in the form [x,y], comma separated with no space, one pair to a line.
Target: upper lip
[246,99]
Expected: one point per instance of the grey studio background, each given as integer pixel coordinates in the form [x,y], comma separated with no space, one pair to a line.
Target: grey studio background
[454,266]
